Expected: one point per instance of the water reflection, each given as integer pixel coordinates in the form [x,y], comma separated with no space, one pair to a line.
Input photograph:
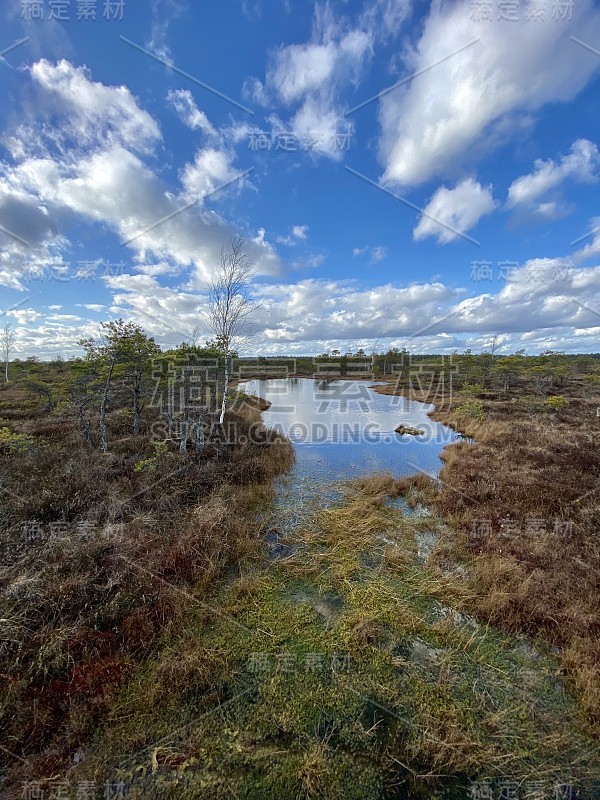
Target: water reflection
[342,429]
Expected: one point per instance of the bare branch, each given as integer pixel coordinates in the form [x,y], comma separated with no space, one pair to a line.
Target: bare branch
[230,304]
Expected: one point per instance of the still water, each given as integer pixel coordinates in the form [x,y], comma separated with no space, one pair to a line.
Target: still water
[343,429]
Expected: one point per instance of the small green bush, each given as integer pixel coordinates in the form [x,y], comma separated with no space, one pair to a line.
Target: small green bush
[556,402]
[471,408]
[471,389]
[150,464]
[15,442]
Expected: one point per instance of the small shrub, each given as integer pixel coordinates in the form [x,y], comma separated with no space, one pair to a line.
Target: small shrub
[471,389]
[15,442]
[556,402]
[471,408]
[161,449]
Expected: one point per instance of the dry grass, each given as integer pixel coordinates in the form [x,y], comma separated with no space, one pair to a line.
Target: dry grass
[118,559]
[530,464]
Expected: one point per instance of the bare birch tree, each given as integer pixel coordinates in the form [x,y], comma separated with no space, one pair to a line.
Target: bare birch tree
[8,338]
[230,305]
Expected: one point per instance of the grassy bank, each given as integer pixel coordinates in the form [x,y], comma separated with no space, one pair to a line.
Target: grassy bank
[103,555]
[524,510]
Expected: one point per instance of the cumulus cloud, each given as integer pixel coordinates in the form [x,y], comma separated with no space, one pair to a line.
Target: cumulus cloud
[211,168]
[24,316]
[309,77]
[90,111]
[580,165]
[545,301]
[89,162]
[546,294]
[503,70]
[452,212]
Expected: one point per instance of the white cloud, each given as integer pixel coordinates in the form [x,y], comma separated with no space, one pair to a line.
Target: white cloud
[547,303]
[24,316]
[309,77]
[163,13]
[301,69]
[546,300]
[592,248]
[91,112]
[453,210]
[551,210]
[83,163]
[543,294]
[189,113]
[61,318]
[309,262]
[386,17]
[428,126]
[378,254]
[211,169]
[300,231]
[579,165]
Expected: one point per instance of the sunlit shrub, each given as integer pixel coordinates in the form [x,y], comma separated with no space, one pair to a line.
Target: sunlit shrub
[471,408]
[15,442]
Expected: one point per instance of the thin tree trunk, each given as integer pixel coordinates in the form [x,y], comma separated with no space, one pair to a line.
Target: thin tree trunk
[199,434]
[225,389]
[103,429]
[186,413]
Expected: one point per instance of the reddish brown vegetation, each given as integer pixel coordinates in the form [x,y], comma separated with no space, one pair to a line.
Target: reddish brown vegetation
[525,503]
[99,559]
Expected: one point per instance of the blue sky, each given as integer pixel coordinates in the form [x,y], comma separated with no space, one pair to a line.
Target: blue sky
[437,215]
